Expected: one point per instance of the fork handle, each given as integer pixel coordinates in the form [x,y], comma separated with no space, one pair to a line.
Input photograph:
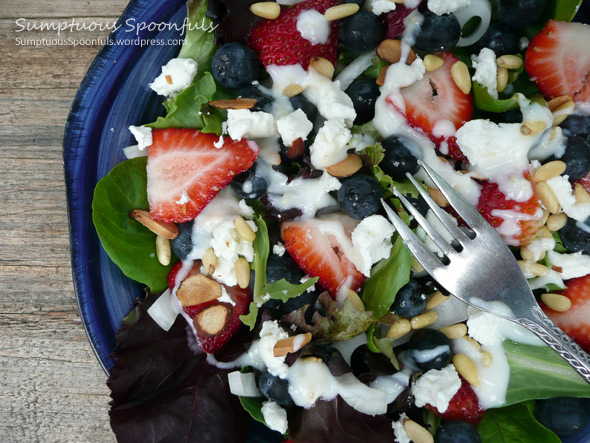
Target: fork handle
[558,340]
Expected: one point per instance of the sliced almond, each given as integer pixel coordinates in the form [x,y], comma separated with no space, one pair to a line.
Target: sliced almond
[390,50]
[291,344]
[381,77]
[339,12]
[212,320]
[293,89]
[549,170]
[532,127]
[438,197]
[163,250]
[297,149]
[323,66]
[198,289]
[461,77]
[236,103]
[509,61]
[269,10]
[416,432]
[432,62]
[166,230]
[351,164]
[354,298]
[556,102]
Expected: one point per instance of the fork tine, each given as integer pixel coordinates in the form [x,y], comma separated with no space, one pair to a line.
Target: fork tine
[441,214]
[426,258]
[465,210]
[438,239]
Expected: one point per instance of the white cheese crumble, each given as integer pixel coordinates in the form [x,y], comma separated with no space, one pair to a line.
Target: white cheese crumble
[293,126]
[279,249]
[133,152]
[176,75]
[572,265]
[243,384]
[565,195]
[331,144]
[184,198]
[219,143]
[436,387]
[245,123]
[372,240]
[379,7]
[270,334]
[274,416]
[486,70]
[440,7]
[143,136]
[313,27]
[401,436]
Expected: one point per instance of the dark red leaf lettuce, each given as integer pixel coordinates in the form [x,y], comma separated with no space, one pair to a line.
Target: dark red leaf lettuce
[162,392]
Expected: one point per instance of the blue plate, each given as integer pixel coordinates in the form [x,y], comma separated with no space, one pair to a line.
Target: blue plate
[114,95]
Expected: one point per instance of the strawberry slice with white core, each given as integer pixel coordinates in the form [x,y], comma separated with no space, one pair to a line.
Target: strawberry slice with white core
[319,247]
[558,60]
[185,171]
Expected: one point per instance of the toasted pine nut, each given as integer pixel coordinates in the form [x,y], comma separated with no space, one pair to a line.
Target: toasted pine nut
[559,119]
[400,328]
[436,299]
[438,197]
[537,269]
[547,197]
[293,89]
[486,358]
[432,62]
[556,302]
[237,103]
[354,298]
[544,233]
[546,215]
[581,194]
[472,342]
[556,221]
[501,79]
[509,61]
[166,230]
[455,331]
[390,50]
[269,10]
[423,320]
[351,164]
[322,66]
[566,108]
[549,170]
[556,102]
[341,11]
[527,254]
[417,433]
[461,77]
[209,261]
[467,369]
[532,128]
[163,250]
[244,229]
[417,266]
[242,268]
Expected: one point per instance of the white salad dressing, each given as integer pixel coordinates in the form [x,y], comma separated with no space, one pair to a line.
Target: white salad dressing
[313,27]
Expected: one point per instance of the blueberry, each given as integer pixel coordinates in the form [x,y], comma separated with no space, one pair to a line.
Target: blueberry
[519,13]
[575,236]
[276,389]
[367,365]
[361,32]
[358,2]
[249,185]
[438,33]
[578,125]
[235,65]
[576,157]
[418,203]
[364,93]
[182,245]
[512,116]
[263,102]
[307,298]
[300,102]
[360,196]
[410,300]
[563,415]
[430,349]
[283,267]
[457,431]
[399,157]
[501,39]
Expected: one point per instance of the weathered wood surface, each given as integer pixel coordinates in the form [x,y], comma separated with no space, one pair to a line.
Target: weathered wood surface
[51,386]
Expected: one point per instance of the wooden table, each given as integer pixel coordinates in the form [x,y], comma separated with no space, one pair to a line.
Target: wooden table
[51,386]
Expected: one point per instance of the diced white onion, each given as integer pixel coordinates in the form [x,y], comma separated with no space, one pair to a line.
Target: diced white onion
[243,384]
[478,8]
[134,152]
[163,312]
[355,69]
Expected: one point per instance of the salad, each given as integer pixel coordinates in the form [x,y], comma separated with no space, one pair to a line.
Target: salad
[278,293]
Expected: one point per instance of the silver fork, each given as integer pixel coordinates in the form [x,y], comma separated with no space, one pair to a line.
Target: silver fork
[480,269]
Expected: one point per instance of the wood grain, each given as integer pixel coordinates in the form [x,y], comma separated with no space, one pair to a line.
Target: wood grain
[53,389]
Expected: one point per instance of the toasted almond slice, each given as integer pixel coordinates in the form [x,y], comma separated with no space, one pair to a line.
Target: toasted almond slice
[212,320]
[509,61]
[381,77]
[532,127]
[269,10]
[297,149]
[438,197]
[351,164]
[166,230]
[432,62]
[197,289]
[556,102]
[354,298]
[236,103]
[163,250]
[461,77]
[291,344]
[339,12]
[549,170]
[390,50]
[416,432]
[293,89]
[323,66]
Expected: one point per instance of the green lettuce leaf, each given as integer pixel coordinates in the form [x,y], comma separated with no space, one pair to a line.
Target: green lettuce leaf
[514,424]
[129,244]
[387,277]
[537,372]
[382,345]
[198,42]
[485,102]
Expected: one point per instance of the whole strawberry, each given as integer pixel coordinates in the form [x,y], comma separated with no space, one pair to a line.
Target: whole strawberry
[278,42]
[463,406]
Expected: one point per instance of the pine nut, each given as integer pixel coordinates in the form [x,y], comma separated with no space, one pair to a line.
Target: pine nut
[565,108]
[472,342]
[237,103]
[351,164]
[537,269]
[244,229]
[323,66]
[242,268]
[341,11]
[417,433]
[438,197]
[163,250]
[532,128]
[547,197]
[293,89]
[455,331]
[556,221]
[486,358]
[390,50]
[354,298]
[417,266]
[436,299]
[527,254]
[424,320]
[467,369]
[546,215]
[461,77]
[381,78]
[544,233]
[558,119]
[509,61]
[166,230]
[209,261]
[501,79]
[556,302]
[432,62]
[549,170]
[581,194]
[269,10]
[400,328]
[556,102]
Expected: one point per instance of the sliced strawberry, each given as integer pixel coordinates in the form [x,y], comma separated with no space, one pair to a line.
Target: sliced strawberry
[184,163]
[575,322]
[558,60]
[315,247]
[278,42]
[463,406]
[526,215]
